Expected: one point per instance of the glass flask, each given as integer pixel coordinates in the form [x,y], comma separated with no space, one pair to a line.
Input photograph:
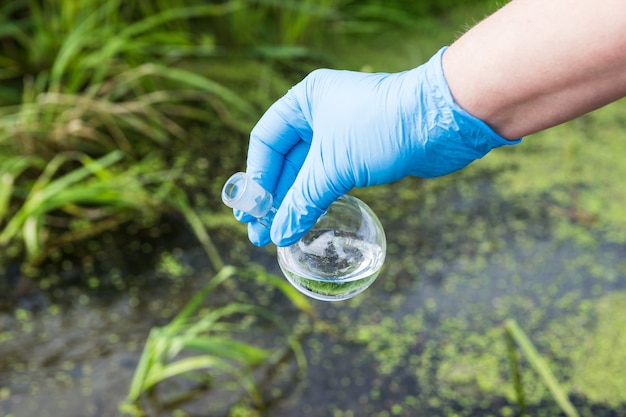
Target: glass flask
[338,258]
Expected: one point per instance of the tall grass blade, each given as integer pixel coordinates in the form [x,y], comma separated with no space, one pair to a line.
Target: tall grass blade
[122,39]
[194,304]
[149,357]
[179,200]
[515,374]
[196,363]
[222,352]
[75,42]
[202,83]
[10,169]
[207,321]
[180,367]
[228,348]
[541,367]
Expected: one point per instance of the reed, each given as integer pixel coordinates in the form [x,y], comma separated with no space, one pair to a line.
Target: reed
[93,193]
[515,333]
[204,341]
[93,95]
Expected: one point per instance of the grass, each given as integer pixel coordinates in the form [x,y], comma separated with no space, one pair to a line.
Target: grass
[514,332]
[48,194]
[202,341]
[96,99]
[58,209]
[105,84]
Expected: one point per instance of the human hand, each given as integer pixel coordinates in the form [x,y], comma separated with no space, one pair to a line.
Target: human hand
[336,130]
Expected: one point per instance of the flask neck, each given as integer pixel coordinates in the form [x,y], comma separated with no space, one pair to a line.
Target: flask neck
[268,218]
[241,192]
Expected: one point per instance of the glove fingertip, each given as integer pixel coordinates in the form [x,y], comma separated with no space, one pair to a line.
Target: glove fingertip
[258,235]
[243,217]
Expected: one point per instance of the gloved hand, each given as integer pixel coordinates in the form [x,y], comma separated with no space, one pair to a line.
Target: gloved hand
[336,130]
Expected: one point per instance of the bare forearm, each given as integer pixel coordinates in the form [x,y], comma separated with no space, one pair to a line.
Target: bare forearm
[537,63]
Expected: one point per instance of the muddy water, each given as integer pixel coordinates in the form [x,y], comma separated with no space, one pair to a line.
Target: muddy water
[425,339]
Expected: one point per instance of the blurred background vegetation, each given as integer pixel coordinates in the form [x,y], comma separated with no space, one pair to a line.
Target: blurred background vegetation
[120,121]
[125,112]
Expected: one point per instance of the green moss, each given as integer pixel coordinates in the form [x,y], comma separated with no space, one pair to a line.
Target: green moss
[599,366]
[573,169]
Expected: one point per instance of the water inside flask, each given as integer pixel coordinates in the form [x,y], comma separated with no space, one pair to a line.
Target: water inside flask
[340,257]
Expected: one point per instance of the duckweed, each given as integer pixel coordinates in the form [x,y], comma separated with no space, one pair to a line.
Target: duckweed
[599,364]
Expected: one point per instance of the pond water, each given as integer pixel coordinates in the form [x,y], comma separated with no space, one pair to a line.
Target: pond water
[426,339]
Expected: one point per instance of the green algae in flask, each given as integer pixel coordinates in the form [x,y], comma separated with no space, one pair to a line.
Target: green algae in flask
[340,257]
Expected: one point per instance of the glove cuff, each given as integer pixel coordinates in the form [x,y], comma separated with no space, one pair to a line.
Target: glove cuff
[451,138]
[437,78]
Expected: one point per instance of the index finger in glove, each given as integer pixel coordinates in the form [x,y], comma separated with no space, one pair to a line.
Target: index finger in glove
[275,135]
[258,234]
[280,129]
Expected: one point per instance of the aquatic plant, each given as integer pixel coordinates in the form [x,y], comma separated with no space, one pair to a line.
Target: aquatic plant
[105,80]
[599,366]
[90,85]
[204,341]
[48,194]
[515,333]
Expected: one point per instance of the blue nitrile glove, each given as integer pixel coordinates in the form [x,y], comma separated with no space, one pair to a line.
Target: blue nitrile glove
[336,130]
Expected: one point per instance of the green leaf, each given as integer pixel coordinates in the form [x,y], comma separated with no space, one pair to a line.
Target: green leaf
[192,306]
[10,169]
[182,366]
[541,367]
[228,348]
[203,83]
[146,362]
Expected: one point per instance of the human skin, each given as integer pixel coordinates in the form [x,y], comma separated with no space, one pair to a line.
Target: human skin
[534,64]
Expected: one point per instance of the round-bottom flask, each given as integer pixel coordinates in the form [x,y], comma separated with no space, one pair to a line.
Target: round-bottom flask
[338,258]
